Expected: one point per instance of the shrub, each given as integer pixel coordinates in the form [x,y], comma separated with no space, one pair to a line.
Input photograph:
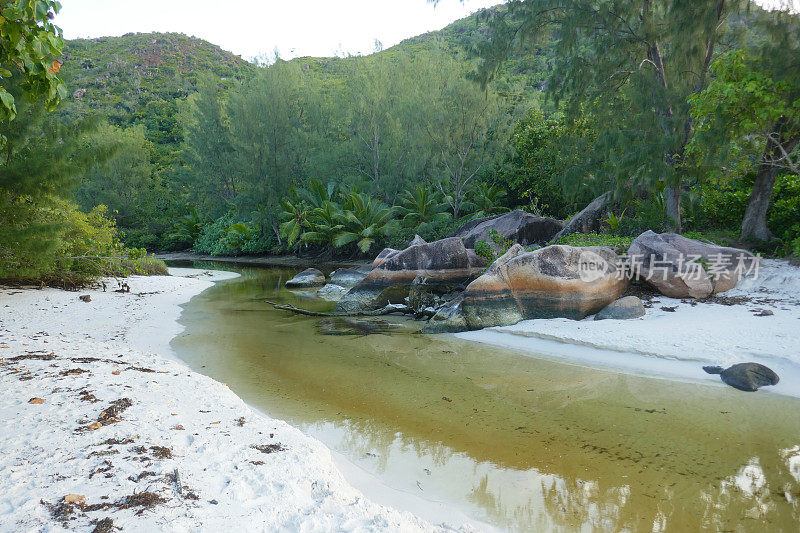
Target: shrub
[718,205]
[217,238]
[483,249]
[646,215]
[86,246]
[784,213]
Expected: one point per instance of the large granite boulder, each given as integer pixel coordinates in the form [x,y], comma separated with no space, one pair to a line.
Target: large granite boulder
[623,309]
[679,267]
[588,219]
[386,253]
[445,262]
[556,281]
[342,280]
[310,277]
[517,226]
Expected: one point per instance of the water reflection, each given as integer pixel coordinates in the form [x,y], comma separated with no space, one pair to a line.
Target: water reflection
[519,442]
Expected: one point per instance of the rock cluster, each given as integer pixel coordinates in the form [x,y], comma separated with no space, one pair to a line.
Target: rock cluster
[444,263]
[448,281]
[552,282]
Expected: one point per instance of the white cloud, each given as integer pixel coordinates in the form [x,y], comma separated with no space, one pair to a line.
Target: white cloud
[251,28]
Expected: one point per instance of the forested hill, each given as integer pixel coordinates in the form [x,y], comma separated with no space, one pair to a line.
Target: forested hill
[524,73]
[137,78]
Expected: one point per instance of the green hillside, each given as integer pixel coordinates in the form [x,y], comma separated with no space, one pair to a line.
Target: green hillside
[137,78]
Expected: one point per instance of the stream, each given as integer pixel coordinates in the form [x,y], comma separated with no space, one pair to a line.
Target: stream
[510,440]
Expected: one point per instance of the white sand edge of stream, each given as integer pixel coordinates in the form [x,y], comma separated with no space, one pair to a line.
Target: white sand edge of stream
[48,451]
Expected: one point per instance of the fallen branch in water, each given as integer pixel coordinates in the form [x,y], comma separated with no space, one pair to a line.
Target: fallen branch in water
[389,309]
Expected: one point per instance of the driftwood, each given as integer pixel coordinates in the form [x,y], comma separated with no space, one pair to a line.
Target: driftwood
[389,309]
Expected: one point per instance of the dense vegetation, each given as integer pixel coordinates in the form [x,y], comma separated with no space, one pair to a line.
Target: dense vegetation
[687,113]
[44,236]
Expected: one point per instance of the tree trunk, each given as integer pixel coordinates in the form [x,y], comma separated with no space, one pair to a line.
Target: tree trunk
[674,206]
[754,224]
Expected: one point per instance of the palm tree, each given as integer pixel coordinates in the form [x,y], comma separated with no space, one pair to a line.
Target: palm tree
[488,199]
[324,222]
[316,194]
[294,214]
[365,220]
[421,208]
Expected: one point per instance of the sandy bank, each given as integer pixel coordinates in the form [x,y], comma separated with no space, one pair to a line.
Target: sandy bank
[177,451]
[757,321]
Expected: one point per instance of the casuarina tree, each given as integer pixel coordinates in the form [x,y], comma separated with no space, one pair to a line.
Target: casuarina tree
[634,63]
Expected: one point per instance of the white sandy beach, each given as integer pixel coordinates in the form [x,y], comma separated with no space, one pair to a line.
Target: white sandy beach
[237,470]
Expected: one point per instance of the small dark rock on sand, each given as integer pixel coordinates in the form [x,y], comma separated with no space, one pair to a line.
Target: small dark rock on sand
[745,376]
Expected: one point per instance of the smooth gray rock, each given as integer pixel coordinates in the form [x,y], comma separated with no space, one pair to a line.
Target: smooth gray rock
[347,277]
[623,309]
[685,268]
[517,226]
[588,219]
[445,262]
[552,282]
[384,254]
[745,376]
[310,277]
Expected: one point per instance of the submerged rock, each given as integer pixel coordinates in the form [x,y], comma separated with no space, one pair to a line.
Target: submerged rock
[310,277]
[517,226]
[552,282]
[445,262]
[354,326]
[745,376]
[623,309]
[342,280]
[685,268]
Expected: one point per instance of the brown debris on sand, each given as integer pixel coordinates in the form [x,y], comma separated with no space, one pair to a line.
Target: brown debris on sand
[269,448]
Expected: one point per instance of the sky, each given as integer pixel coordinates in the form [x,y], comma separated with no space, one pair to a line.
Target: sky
[252,28]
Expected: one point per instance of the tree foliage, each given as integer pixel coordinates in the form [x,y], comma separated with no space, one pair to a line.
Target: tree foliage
[29,48]
[635,64]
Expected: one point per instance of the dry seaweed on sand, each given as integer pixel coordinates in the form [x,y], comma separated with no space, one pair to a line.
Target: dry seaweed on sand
[112,412]
[40,356]
[142,500]
[268,448]
[106,525]
[161,452]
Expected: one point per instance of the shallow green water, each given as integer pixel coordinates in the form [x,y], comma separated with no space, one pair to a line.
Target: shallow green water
[520,442]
